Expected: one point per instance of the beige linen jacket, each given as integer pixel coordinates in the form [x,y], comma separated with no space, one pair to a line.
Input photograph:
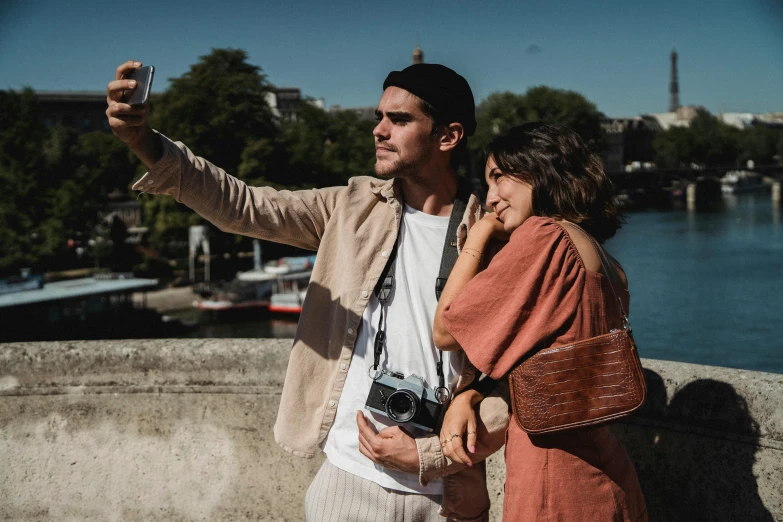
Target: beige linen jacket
[354,229]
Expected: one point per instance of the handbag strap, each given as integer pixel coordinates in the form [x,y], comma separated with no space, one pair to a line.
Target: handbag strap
[609,273]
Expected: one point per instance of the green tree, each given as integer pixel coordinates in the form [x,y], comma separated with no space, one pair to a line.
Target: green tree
[674,148]
[54,184]
[760,143]
[22,138]
[111,165]
[264,162]
[495,116]
[327,148]
[780,150]
[319,149]
[350,147]
[218,108]
[567,108]
[707,142]
[80,172]
[304,143]
[715,143]
[503,110]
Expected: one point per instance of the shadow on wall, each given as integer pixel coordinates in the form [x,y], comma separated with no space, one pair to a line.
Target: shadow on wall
[686,477]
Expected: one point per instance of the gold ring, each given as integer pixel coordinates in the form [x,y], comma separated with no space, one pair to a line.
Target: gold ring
[456,435]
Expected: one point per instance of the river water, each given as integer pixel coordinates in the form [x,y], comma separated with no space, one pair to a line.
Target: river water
[706,288]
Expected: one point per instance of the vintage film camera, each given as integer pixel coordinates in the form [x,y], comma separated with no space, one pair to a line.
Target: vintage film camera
[405,399]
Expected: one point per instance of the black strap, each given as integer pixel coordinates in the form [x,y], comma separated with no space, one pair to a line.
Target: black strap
[450,253]
[385,285]
[383,291]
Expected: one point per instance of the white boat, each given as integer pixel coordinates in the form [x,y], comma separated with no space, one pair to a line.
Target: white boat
[289,294]
[742,181]
[279,290]
[287,265]
[248,290]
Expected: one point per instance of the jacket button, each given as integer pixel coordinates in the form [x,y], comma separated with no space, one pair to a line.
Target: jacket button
[365,293]
[350,330]
[331,404]
[384,253]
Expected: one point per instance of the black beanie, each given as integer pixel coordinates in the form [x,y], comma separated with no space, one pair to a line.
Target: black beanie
[447,91]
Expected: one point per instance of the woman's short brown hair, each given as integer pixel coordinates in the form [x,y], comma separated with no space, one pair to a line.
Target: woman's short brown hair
[568,181]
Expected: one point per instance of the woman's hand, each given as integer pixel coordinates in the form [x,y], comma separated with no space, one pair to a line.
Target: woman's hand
[474,255]
[459,428]
[492,227]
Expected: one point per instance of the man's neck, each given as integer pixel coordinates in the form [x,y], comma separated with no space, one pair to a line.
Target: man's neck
[433,194]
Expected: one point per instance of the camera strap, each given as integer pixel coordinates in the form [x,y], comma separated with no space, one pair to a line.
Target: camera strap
[385,285]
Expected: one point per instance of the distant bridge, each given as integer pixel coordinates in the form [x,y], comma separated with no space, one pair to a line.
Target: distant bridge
[696,188]
[665,177]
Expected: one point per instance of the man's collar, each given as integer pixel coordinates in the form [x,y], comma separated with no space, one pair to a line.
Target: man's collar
[388,189]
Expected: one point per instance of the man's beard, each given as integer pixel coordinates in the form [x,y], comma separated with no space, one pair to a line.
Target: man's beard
[399,169]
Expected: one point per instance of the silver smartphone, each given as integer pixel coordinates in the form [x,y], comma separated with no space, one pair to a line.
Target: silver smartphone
[141,94]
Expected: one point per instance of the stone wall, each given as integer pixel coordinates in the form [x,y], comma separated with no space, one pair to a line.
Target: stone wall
[182,430]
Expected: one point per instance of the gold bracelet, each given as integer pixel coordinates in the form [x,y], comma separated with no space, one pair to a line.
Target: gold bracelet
[473,256]
[479,252]
[480,257]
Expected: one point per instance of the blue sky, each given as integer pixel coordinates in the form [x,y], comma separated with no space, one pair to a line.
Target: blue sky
[614,53]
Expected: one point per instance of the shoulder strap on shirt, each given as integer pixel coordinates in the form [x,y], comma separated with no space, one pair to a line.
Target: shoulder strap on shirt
[450,253]
[385,284]
[447,259]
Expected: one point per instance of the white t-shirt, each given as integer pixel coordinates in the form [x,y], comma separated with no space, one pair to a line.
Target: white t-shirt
[408,318]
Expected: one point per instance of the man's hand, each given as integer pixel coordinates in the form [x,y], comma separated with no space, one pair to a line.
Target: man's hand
[129,123]
[391,447]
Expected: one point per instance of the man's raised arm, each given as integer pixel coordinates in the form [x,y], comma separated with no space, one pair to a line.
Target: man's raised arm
[296,218]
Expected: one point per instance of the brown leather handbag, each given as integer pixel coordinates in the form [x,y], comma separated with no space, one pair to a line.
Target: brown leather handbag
[586,383]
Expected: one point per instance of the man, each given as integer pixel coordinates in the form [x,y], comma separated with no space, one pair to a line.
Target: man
[375,470]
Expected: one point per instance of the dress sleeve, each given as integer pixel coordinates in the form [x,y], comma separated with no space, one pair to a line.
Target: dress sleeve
[526,298]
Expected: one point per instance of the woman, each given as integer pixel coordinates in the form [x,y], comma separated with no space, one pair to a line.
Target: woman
[545,287]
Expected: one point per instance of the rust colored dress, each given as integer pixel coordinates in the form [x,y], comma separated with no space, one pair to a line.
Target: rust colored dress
[536,293]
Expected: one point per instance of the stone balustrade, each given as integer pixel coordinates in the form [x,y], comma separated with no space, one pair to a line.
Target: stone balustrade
[182,430]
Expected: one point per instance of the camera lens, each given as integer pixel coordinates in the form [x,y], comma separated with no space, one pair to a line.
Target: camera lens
[402,406]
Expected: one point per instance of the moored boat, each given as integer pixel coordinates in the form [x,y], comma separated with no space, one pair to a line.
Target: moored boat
[742,181]
[279,287]
[290,292]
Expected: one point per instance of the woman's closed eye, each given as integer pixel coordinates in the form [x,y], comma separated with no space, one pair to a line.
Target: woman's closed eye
[496,175]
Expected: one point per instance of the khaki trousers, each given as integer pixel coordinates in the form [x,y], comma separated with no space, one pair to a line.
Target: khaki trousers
[338,496]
